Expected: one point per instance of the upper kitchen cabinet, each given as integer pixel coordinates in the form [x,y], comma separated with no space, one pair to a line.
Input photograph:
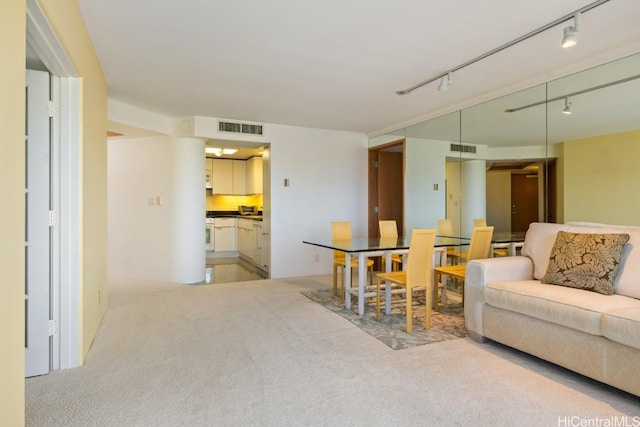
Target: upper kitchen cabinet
[226,176]
[208,173]
[254,175]
[222,178]
[239,177]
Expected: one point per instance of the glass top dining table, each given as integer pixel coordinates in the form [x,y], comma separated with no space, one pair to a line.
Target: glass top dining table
[365,247]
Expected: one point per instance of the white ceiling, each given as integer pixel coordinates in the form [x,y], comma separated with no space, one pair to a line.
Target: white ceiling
[337,64]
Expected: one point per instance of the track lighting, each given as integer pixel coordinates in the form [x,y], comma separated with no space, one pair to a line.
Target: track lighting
[568,106]
[568,41]
[569,33]
[445,82]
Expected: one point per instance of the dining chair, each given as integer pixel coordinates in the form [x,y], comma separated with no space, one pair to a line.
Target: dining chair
[445,228]
[418,276]
[341,230]
[479,248]
[482,222]
[479,222]
[388,230]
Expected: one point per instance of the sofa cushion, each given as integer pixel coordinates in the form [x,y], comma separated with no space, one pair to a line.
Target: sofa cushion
[573,308]
[541,237]
[623,326]
[627,280]
[585,261]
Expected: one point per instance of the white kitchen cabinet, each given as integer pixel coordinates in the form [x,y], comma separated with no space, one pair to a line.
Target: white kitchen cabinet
[225,234]
[246,238]
[254,175]
[222,178]
[208,172]
[257,252]
[239,178]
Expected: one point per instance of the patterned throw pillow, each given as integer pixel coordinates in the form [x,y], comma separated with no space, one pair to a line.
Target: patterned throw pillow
[585,261]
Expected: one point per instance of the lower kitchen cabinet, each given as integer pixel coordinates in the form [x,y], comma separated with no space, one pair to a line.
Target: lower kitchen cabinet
[250,241]
[225,234]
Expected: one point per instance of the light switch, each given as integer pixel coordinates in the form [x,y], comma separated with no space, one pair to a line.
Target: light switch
[158,200]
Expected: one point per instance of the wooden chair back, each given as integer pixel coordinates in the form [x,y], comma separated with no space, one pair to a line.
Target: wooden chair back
[480,243]
[445,227]
[420,258]
[479,222]
[388,228]
[340,230]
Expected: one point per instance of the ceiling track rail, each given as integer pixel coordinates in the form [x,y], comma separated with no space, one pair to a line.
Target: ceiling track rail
[505,46]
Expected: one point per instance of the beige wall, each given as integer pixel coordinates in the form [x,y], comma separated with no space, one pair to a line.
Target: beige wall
[67,22]
[12,107]
[499,200]
[600,179]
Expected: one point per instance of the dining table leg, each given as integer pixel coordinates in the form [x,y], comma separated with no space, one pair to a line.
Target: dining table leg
[387,286]
[362,281]
[347,280]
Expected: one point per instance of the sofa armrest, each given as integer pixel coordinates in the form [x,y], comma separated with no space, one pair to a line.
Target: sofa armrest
[481,272]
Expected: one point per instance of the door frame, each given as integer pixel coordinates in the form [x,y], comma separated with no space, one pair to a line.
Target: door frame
[373,201]
[66,187]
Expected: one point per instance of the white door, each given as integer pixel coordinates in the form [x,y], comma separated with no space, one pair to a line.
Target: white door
[37,238]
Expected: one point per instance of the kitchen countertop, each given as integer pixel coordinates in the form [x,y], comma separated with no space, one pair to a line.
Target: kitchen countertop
[232,214]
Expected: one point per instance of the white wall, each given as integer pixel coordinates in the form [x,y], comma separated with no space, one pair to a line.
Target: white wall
[327,172]
[474,194]
[139,234]
[425,166]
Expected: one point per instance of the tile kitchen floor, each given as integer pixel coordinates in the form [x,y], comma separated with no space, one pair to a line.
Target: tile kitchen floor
[226,270]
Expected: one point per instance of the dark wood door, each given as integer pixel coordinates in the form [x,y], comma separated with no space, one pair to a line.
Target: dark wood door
[386,187]
[391,188]
[524,201]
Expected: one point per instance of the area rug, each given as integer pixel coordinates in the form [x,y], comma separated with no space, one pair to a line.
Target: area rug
[447,324]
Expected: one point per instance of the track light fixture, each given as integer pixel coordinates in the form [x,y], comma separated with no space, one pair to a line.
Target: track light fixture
[568,41]
[445,82]
[568,106]
[569,33]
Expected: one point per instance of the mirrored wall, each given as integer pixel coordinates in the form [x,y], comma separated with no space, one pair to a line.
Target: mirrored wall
[564,151]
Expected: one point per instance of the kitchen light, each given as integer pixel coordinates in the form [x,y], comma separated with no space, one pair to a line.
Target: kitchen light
[219,151]
[568,106]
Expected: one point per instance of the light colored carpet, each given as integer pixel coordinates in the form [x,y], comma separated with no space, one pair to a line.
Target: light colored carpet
[261,354]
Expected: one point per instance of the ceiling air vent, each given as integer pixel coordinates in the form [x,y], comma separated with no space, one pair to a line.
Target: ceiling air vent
[461,148]
[235,127]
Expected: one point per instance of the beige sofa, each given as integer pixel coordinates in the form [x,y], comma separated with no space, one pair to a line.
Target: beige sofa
[590,333]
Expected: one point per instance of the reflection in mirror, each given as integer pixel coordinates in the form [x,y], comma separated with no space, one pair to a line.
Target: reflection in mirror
[598,145]
[503,182]
[433,178]
[386,181]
